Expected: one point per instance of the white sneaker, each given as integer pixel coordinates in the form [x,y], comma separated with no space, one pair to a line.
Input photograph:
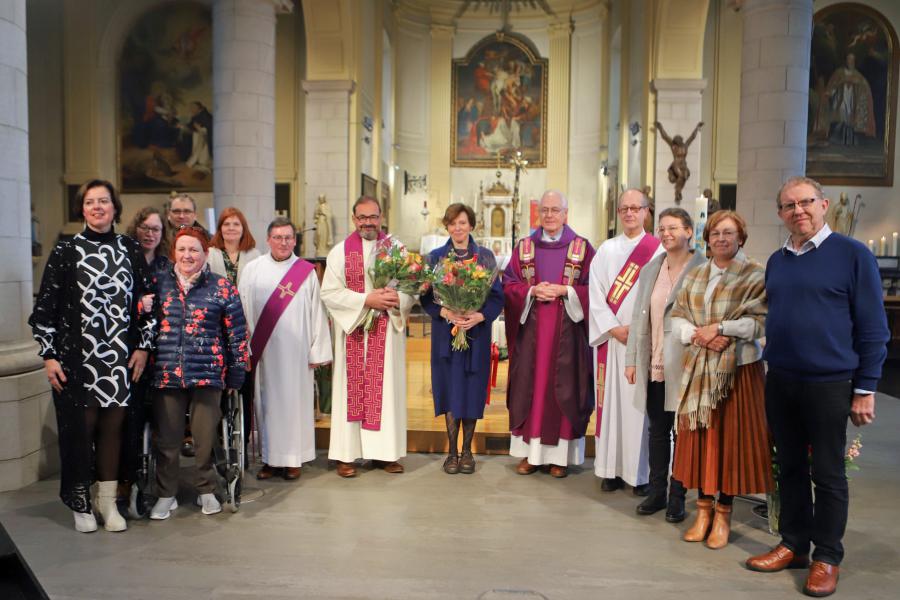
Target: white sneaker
[163,508]
[85,522]
[210,504]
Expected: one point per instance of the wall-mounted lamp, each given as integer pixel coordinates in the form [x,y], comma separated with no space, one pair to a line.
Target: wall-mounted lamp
[604,168]
[635,130]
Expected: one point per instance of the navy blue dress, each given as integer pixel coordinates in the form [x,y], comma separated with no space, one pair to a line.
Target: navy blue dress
[459,380]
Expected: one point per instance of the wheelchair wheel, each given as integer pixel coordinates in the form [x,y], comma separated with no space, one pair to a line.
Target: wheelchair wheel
[233,442]
[142,497]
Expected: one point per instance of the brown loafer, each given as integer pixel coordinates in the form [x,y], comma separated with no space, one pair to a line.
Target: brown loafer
[266,472]
[389,467]
[558,471]
[467,463]
[346,469]
[291,473]
[451,465]
[777,559]
[525,468]
[822,579]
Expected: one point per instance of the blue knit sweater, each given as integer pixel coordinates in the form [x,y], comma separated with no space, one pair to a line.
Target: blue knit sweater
[826,317]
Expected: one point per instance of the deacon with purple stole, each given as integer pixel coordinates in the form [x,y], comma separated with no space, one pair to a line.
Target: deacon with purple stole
[368,392]
[546,300]
[290,338]
[621,439]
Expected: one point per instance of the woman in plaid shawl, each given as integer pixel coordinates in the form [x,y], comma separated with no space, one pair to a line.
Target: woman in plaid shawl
[723,441]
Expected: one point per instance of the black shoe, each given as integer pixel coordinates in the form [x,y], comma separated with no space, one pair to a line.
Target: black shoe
[655,502]
[611,484]
[187,448]
[641,490]
[675,508]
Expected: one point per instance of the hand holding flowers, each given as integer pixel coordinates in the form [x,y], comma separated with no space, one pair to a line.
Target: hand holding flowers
[462,287]
[395,269]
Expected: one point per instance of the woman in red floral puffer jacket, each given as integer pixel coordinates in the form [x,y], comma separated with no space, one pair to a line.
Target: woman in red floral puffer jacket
[202,349]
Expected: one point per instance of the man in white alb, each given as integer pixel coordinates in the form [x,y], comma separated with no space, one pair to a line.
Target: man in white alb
[290,338]
[368,393]
[622,453]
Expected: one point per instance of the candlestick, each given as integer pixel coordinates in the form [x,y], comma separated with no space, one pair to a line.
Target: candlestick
[882,247]
[894,244]
[871,246]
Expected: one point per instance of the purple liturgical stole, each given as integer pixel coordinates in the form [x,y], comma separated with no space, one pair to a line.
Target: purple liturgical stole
[281,296]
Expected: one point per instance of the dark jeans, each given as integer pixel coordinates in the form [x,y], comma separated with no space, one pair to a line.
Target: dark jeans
[809,425]
[659,436]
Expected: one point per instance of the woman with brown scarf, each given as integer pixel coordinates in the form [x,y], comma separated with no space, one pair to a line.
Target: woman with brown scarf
[723,440]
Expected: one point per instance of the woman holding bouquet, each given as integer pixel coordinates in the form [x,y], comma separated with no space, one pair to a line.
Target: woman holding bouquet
[459,378]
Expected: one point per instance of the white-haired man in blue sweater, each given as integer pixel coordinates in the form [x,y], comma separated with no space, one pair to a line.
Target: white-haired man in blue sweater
[826,341]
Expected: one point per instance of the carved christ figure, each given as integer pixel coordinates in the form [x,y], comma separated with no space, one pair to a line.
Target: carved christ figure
[678,170]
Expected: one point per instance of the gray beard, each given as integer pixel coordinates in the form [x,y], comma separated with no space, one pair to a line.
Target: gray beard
[369,235]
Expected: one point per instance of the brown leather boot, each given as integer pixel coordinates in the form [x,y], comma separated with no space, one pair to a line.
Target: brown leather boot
[721,527]
[700,529]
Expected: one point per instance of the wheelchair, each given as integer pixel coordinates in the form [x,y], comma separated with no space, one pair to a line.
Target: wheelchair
[228,460]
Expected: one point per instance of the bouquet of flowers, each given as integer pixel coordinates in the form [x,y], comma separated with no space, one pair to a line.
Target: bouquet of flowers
[852,454]
[463,287]
[396,268]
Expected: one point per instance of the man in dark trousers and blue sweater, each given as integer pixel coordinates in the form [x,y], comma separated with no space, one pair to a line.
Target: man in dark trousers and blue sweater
[826,337]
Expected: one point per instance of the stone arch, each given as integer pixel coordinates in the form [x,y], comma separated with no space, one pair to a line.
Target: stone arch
[679,31]
[330,43]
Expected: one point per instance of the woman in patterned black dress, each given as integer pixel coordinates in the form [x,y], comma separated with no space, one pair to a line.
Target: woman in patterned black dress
[94,344]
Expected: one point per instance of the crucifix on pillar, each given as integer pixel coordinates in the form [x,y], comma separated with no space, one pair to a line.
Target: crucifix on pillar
[518,162]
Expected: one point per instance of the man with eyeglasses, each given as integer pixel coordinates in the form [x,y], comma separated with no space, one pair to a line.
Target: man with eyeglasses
[368,393]
[622,428]
[181,211]
[290,337]
[546,300]
[826,336]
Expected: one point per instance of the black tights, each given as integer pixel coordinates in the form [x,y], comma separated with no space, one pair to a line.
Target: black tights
[724,499]
[468,426]
[104,426]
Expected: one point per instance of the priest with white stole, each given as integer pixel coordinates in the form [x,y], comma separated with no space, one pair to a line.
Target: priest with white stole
[621,443]
[290,338]
[368,392]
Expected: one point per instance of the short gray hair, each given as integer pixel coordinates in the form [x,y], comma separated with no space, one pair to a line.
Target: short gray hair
[562,197]
[173,196]
[280,222]
[645,202]
[799,180]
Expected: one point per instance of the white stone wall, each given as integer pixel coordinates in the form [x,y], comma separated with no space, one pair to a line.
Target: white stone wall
[28,447]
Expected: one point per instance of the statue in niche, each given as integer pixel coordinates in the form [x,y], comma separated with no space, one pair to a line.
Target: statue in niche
[678,170]
[498,222]
[322,219]
[651,212]
[839,216]
[712,205]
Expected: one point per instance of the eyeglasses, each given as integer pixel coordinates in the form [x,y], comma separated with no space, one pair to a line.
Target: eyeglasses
[551,211]
[282,239]
[367,218]
[630,209]
[789,207]
[181,211]
[148,229]
[728,233]
[670,230]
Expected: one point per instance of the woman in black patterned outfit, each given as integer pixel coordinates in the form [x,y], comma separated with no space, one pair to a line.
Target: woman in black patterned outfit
[94,344]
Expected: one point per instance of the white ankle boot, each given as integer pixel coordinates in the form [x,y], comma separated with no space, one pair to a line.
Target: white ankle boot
[163,508]
[106,506]
[85,522]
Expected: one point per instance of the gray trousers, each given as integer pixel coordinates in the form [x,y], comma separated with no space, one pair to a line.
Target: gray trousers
[169,407]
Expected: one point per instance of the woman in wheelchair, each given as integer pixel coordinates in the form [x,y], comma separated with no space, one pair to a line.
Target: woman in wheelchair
[202,349]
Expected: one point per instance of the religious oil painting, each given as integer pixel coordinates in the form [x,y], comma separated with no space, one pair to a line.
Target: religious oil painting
[165,125]
[499,103]
[852,97]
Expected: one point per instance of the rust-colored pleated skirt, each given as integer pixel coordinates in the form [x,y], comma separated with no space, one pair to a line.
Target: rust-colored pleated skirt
[733,455]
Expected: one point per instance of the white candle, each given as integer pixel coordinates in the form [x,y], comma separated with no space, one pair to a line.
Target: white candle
[882,247]
[894,244]
[871,245]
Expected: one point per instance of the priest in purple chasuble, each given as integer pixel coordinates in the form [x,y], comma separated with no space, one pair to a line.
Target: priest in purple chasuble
[621,441]
[368,392]
[550,372]
[290,337]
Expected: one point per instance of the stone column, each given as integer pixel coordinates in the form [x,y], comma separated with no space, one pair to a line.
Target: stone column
[244,108]
[558,106]
[774,96]
[24,393]
[678,109]
[439,155]
[328,155]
